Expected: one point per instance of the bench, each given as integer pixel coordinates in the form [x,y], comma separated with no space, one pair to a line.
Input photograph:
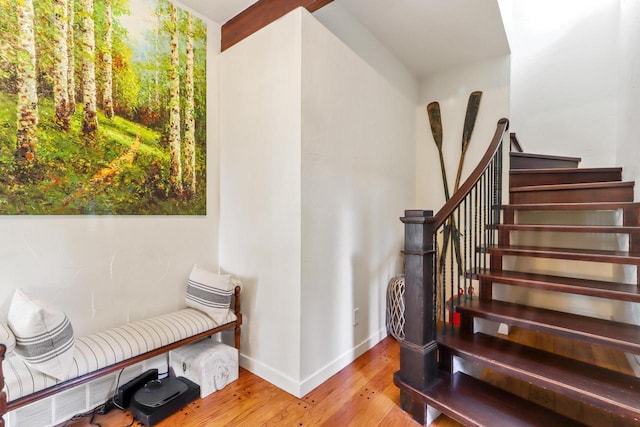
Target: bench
[106,352]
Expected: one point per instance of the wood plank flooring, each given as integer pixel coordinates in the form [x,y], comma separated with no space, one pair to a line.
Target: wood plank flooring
[361,394]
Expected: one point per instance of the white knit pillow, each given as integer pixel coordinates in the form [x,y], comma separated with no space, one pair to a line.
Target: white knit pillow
[210,293]
[44,336]
[7,338]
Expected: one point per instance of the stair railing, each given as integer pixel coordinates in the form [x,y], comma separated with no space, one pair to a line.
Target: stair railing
[442,253]
[465,227]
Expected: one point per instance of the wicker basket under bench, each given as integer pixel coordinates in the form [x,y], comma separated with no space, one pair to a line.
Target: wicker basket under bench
[198,325]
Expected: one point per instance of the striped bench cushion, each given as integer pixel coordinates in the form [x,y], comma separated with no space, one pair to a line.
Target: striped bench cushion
[114,345]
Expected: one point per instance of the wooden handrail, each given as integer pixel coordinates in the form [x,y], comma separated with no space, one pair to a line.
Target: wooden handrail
[426,288]
[458,196]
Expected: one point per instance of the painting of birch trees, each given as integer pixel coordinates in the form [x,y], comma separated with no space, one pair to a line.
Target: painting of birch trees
[102,108]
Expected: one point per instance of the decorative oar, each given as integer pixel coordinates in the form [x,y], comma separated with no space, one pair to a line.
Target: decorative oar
[435,120]
[451,231]
[469,122]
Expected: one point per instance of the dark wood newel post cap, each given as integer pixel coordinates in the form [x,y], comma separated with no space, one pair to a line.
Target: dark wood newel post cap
[417,216]
[418,212]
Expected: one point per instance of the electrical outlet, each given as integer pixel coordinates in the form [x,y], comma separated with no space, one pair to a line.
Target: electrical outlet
[356,316]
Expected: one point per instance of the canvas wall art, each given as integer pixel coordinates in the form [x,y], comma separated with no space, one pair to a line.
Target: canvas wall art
[102,108]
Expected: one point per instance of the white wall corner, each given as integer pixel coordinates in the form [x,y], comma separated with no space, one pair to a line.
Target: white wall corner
[323,374]
[272,375]
[260,198]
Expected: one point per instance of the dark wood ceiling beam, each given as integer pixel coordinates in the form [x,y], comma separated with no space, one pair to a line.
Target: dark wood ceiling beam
[259,15]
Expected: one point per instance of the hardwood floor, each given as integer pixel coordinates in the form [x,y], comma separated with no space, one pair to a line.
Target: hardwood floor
[361,394]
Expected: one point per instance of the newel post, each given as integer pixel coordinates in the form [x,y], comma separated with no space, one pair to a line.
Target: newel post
[418,362]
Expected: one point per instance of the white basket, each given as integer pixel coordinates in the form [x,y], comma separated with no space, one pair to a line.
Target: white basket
[208,363]
[395,307]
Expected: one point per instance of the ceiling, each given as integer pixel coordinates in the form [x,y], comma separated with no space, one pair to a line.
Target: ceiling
[425,35]
[219,11]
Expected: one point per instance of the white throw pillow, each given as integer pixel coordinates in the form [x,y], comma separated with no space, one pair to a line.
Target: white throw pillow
[210,293]
[44,336]
[7,338]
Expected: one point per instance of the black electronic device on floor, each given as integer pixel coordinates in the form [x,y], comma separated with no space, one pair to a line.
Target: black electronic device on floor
[126,391]
[158,399]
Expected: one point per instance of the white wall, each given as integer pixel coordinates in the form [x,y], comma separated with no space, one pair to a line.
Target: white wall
[337,19]
[106,270]
[451,89]
[627,154]
[358,143]
[316,169]
[564,76]
[260,200]
[575,74]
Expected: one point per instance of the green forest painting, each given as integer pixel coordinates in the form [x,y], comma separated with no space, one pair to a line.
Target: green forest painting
[102,108]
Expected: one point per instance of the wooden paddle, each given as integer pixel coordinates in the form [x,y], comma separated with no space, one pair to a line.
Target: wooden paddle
[435,120]
[469,122]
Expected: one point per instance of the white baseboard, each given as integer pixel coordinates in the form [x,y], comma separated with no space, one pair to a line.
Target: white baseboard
[271,375]
[301,388]
[326,372]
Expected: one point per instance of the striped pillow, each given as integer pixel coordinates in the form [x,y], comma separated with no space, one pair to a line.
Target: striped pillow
[7,338]
[44,336]
[210,293]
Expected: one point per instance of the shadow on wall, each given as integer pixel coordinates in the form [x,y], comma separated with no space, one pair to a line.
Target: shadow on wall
[370,279]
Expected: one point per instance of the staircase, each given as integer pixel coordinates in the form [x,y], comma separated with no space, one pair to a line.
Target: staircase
[546,196]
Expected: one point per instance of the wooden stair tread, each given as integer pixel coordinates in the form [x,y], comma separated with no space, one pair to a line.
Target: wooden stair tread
[623,336]
[527,177]
[618,191]
[616,257]
[563,170]
[592,206]
[601,387]
[595,288]
[541,161]
[569,228]
[577,186]
[545,156]
[475,403]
